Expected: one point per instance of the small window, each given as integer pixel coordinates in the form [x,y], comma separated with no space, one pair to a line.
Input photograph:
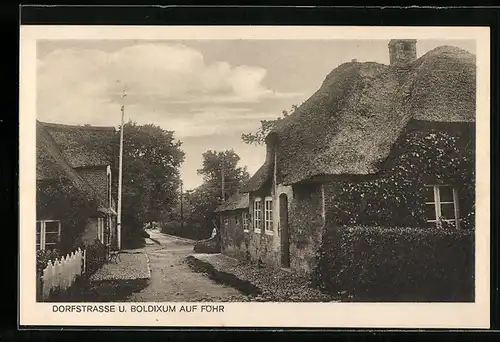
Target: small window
[268,215]
[441,205]
[257,215]
[48,234]
[245,221]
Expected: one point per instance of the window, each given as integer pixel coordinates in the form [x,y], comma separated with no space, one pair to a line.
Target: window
[257,215]
[100,229]
[245,222]
[48,234]
[441,201]
[268,215]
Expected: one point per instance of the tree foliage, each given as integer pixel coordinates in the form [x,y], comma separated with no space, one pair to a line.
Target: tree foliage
[266,126]
[200,203]
[151,161]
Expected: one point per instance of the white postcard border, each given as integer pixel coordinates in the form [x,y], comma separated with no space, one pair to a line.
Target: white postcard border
[344,315]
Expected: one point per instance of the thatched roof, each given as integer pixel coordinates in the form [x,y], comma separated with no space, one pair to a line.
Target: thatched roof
[52,165]
[235,202]
[351,123]
[84,146]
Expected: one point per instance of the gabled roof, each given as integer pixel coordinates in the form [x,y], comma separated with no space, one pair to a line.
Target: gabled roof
[352,121]
[83,146]
[52,165]
[235,202]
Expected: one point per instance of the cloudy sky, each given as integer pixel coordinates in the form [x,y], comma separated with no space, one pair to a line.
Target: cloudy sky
[209,91]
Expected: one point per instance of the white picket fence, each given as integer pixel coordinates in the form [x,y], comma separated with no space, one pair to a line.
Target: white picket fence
[62,272]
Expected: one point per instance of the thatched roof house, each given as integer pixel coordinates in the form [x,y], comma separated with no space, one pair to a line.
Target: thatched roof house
[83,146]
[349,125]
[62,149]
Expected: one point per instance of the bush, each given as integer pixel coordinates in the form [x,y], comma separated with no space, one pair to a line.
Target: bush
[96,256]
[44,256]
[211,246]
[42,259]
[397,264]
[189,230]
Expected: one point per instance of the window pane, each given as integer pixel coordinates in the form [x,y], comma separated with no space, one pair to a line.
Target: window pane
[448,211]
[37,247]
[430,212]
[429,194]
[38,227]
[51,238]
[37,238]
[446,194]
[52,227]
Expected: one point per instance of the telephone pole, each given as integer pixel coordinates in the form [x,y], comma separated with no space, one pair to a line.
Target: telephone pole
[120,176]
[222,181]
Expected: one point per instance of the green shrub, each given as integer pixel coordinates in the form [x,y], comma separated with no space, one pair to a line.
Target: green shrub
[397,264]
[96,256]
[42,259]
[208,246]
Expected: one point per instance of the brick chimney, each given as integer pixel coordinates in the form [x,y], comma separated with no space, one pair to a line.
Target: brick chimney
[402,51]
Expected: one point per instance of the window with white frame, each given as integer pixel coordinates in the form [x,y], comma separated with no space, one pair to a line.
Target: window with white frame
[245,221]
[268,215]
[100,229]
[257,215]
[441,203]
[48,234]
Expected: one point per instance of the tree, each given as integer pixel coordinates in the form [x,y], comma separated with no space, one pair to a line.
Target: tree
[266,126]
[151,161]
[199,204]
[221,169]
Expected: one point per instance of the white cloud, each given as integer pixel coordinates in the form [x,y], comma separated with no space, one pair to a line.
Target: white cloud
[78,84]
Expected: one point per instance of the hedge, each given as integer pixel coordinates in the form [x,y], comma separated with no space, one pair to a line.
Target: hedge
[211,246]
[96,257]
[397,264]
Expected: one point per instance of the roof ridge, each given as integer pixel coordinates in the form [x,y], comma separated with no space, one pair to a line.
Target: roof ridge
[85,127]
[76,177]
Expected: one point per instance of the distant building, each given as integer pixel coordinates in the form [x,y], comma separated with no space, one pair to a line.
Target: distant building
[234,222]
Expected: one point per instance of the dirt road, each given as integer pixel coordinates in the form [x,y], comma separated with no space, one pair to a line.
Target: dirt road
[171,278]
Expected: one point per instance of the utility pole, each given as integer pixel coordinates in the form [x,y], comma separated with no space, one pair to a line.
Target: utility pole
[182,211]
[120,176]
[222,181]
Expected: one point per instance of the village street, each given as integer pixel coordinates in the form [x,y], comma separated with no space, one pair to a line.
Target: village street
[162,276]
[173,280]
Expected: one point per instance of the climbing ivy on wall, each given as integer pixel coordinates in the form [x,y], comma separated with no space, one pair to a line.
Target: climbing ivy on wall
[395,197]
[59,199]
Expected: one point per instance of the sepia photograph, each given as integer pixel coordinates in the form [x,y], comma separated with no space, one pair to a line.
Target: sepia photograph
[254,170]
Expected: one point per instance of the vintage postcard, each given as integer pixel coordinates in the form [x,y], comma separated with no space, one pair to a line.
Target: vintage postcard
[310,177]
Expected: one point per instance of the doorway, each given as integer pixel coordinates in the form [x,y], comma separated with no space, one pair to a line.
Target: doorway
[285,243]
